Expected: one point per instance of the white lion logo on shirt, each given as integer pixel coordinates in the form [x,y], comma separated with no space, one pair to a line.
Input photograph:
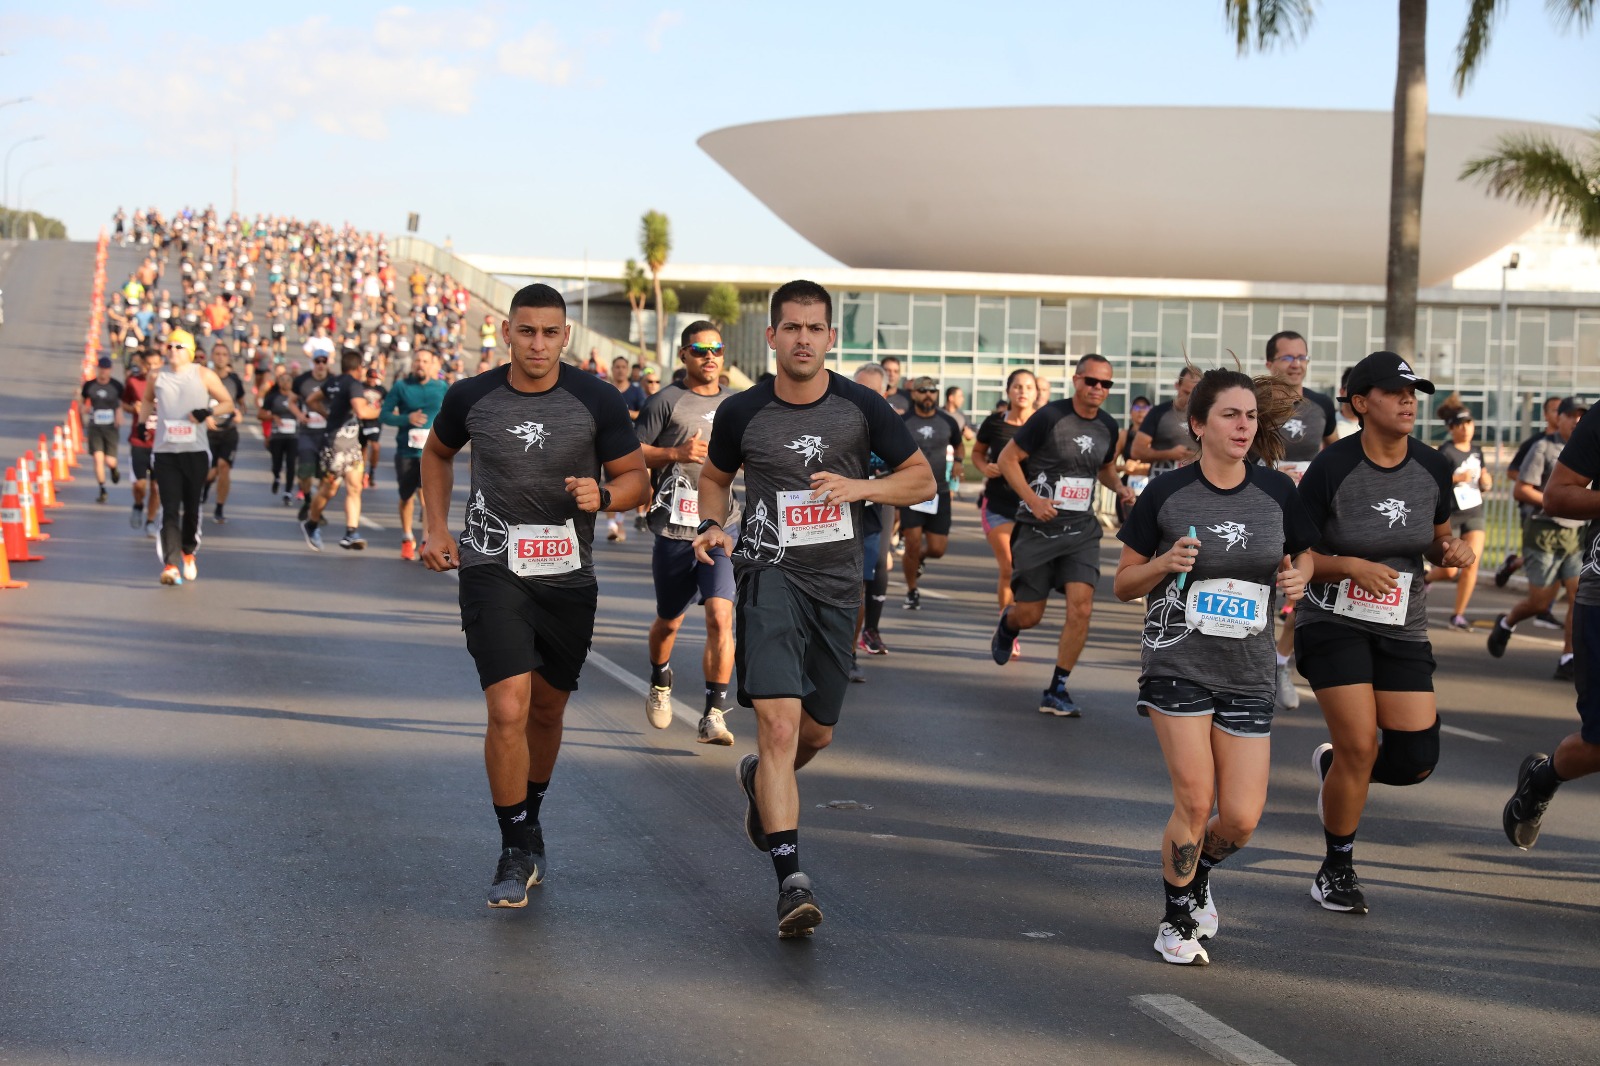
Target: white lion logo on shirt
[809,446]
[1295,428]
[926,432]
[1394,510]
[530,433]
[1234,533]
[1084,442]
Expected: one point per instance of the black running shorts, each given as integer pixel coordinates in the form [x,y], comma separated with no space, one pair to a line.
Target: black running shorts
[224,444]
[141,462]
[520,625]
[101,439]
[1586,642]
[1042,564]
[1239,716]
[937,525]
[407,475]
[1329,655]
[790,646]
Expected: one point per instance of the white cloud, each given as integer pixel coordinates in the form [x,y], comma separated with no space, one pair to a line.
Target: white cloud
[659,26]
[538,55]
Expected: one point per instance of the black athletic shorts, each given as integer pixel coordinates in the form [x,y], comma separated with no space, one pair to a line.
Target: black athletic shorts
[1464,522]
[1042,563]
[790,646]
[520,625]
[224,446]
[407,475]
[101,439]
[937,525]
[1586,643]
[141,462]
[1236,715]
[1329,654]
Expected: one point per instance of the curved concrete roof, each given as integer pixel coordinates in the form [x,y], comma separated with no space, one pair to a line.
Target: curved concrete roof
[1234,193]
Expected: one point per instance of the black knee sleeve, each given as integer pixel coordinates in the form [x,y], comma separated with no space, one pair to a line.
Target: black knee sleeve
[1405,758]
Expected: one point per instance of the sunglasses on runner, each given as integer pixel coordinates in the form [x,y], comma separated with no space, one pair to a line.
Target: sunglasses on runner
[926,392]
[1097,383]
[1292,358]
[706,349]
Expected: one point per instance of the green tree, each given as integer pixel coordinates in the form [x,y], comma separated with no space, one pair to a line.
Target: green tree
[1260,23]
[722,305]
[637,285]
[1533,168]
[655,244]
[670,302]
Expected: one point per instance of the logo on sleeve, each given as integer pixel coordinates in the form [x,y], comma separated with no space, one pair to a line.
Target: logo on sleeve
[1233,534]
[1084,442]
[1394,510]
[1295,429]
[530,433]
[809,446]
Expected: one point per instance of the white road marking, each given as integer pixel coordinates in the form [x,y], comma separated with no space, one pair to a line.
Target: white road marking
[1451,729]
[1220,1040]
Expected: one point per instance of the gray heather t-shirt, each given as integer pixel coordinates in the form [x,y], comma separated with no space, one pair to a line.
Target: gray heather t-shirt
[1536,470]
[524,447]
[780,445]
[1244,534]
[669,418]
[1384,515]
[1304,430]
[1167,428]
[1582,457]
[933,435]
[1062,444]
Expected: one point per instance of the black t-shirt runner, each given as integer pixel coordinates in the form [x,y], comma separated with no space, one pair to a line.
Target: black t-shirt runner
[1065,454]
[230,381]
[304,385]
[1472,462]
[1167,428]
[338,394]
[524,447]
[1384,515]
[104,401]
[1582,457]
[994,434]
[1244,534]
[669,418]
[780,445]
[933,436]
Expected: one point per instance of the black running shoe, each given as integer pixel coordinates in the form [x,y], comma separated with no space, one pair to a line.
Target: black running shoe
[305,510]
[205,491]
[871,643]
[1546,619]
[797,908]
[1566,670]
[1000,643]
[274,486]
[913,600]
[1526,807]
[1499,637]
[514,874]
[1507,568]
[116,476]
[752,814]
[217,516]
[1338,888]
[102,497]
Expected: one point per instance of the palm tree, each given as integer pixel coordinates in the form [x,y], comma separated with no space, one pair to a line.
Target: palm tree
[1268,21]
[655,243]
[637,284]
[1532,168]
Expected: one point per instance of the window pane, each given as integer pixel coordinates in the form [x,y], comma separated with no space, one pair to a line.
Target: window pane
[1205,317]
[1144,316]
[893,338]
[1325,321]
[1114,334]
[1024,313]
[959,312]
[1263,321]
[959,340]
[894,309]
[1022,342]
[857,326]
[1053,330]
[925,327]
[991,328]
[1085,316]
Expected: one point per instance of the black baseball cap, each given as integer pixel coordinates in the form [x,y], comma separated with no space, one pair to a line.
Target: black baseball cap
[1383,370]
[104,363]
[1572,405]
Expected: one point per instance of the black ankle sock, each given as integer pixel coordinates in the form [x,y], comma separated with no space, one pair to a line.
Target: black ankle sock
[1544,778]
[1341,850]
[536,791]
[716,696]
[516,825]
[784,848]
[1177,900]
[1058,680]
[1007,630]
[874,611]
[661,674]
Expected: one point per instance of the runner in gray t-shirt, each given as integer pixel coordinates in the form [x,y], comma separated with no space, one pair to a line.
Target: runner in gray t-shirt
[805,439]
[1163,439]
[674,428]
[542,432]
[1382,500]
[1053,465]
[925,525]
[1208,547]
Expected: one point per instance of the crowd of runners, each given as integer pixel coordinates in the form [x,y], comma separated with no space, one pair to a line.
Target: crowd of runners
[1266,530]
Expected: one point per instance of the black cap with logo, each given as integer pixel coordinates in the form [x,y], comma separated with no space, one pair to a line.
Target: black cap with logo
[1383,370]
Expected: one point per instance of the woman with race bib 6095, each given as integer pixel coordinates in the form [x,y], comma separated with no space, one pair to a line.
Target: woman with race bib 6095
[1383,500]
[1209,545]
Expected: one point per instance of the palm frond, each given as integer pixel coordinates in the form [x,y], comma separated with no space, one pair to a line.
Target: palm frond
[1531,168]
[1268,21]
[1475,40]
[1571,13]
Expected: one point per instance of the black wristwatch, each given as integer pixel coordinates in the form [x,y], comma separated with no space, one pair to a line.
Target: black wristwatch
[710,523]
[605,498]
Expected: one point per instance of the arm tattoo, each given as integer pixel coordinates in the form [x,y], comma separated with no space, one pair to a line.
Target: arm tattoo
[1184,857]
[1219,848]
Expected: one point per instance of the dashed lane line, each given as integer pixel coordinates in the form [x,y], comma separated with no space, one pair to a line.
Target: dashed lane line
[1209,1034]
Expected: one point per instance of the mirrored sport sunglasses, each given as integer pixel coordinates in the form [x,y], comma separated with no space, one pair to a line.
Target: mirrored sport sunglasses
[1292,359]
[1097,383]
[706,349]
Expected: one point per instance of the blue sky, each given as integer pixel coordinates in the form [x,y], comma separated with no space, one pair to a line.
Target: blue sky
[544,129]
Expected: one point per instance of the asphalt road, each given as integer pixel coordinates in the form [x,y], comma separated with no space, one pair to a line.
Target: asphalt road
[246,821]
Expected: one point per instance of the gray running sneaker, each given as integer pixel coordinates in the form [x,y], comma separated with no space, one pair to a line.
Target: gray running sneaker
[658,706]
[713,730]
[516,872]
[1525,809]
[1288,696]
[752,814]
[312,531]
[798,914]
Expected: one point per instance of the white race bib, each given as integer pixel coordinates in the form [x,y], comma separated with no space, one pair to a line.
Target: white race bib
[927,506]
[1137,482]
[150,425]
[416,437]
[1296,471]
[802,521]
[179,431]
[1073,493]
[1355,602]
[541,551]
[104,416]
[685,507]
[316,421]
[1227,607]
[284,426]
[1467,495]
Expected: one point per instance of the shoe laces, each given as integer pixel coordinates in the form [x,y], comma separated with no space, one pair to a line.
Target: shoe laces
[1202,894]
[1186,928]
[513,863]
[1342,879]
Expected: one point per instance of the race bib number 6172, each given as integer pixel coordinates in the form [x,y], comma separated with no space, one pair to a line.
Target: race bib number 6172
[802,520]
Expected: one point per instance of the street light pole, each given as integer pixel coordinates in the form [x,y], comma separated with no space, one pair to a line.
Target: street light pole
[1503,415]
[5,173]
[22,181]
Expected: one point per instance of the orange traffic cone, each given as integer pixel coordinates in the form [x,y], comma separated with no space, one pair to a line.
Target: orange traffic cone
[30,511]
[5,575]
[64,462]
[46,489]
[13,525]
[75,429]
[36,473]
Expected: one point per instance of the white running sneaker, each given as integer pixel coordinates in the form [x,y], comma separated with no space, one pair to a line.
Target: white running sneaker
[190,571]
[1288,695]
[1321,762]
[713,730]
[1205,912]
[1180,944]
[658,706]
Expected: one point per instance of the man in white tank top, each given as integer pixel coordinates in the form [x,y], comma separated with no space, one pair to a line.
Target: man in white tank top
[176,406]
